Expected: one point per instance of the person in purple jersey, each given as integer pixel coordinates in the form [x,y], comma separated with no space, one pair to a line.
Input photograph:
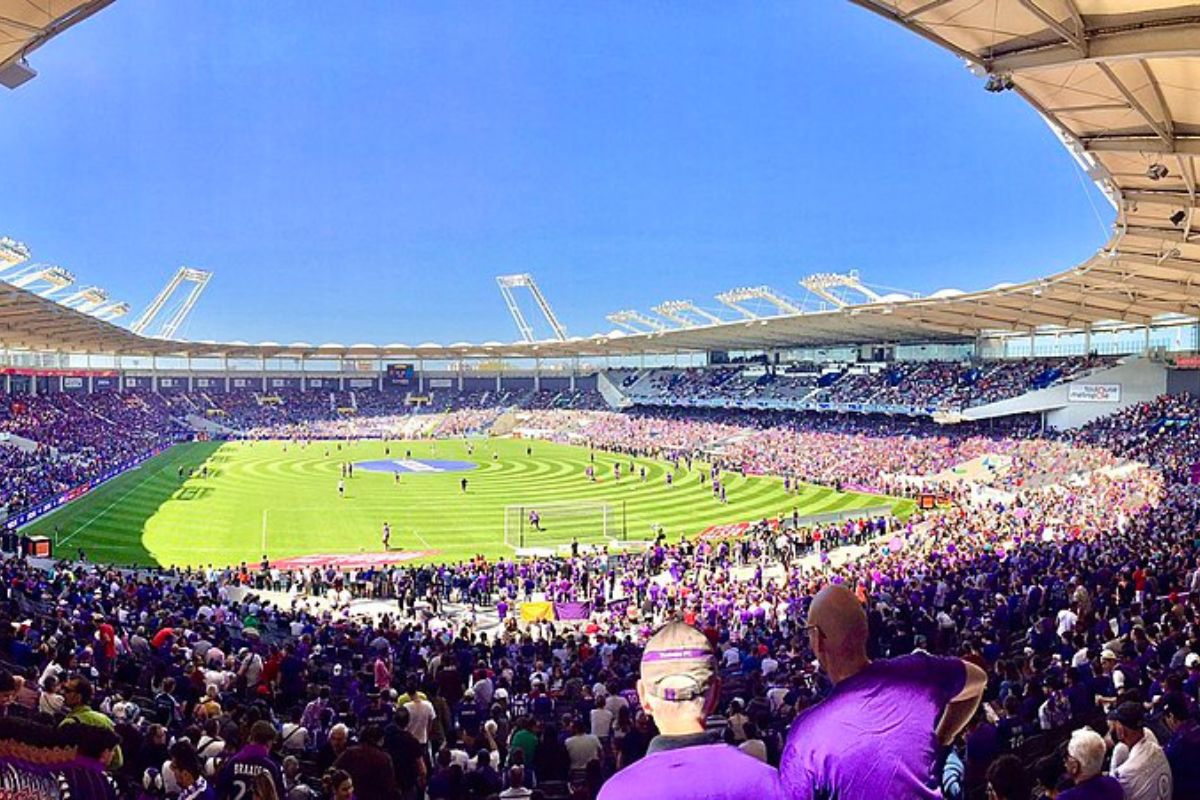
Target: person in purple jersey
[1085,760]
[679,688]
[878,734]
[240,773]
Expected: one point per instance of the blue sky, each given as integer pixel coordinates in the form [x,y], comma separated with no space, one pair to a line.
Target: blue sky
[361,171]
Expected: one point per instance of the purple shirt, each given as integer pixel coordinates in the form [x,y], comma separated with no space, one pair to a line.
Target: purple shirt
[1101,787]
[873,737]
[700,772]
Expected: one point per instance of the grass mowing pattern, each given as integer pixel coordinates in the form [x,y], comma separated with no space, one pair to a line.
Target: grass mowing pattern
[288,497]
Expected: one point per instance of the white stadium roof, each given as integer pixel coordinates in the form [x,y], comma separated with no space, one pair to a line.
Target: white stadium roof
[1119,80]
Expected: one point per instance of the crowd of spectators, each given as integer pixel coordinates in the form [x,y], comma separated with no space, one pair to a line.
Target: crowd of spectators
[942,385]
[63,441]
[1066,571]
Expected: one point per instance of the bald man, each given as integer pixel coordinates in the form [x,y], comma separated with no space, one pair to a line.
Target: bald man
[878,733]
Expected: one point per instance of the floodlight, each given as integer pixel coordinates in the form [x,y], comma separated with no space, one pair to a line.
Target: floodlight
[17,73]
[1157,171]
[999,82]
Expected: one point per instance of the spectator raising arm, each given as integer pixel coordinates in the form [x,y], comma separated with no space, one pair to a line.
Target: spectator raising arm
[962,706]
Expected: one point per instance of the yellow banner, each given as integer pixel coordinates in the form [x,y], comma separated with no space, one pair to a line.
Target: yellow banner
[537,612]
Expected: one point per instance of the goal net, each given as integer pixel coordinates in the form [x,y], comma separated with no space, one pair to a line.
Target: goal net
[551,525]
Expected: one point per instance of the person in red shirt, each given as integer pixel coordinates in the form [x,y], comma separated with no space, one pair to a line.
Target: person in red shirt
[106,653]
[270,672]
[162,637]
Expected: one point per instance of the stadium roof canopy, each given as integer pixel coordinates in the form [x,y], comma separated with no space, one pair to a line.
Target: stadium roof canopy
[1118,79]
[26,25]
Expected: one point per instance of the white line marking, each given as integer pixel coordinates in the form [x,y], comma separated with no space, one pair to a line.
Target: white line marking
[413,465]
[109,507]
[417,534]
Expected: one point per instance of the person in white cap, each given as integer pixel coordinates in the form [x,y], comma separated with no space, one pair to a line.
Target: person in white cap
[1110,681]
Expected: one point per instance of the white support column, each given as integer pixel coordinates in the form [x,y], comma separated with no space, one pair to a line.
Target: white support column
[574,372]
[537,374]
[190,382]
[460,375]
[1087,339]
[1146,341]
[154,374]
[421,376]
[1032,343]
[263,365]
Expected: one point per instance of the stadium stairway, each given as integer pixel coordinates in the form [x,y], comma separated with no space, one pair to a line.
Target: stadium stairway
[502,425]
[206,425]
[612,393]
[18,442]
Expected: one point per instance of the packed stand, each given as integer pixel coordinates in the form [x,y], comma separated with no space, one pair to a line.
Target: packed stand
[1070,583]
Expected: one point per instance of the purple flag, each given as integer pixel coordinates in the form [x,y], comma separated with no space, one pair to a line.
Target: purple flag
[572,611]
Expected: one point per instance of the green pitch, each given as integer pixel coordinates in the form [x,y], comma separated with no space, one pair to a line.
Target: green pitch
[282,500]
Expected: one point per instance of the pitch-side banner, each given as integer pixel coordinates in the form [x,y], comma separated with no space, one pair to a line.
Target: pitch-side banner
[1094,393]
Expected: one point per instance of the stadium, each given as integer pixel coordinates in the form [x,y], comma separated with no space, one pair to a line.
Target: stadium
[951,533]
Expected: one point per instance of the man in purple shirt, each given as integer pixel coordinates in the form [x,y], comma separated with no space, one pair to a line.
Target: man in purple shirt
[240,773]
[679,688]
[878,733]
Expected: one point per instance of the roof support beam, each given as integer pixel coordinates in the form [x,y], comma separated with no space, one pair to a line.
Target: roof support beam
[888,12]
[1074,38]
[1137,106]
[1152,287]
[1164,234]
[1168,123]
[1083,109]
[1173,199]
[1189,145]
[1179,39]
[969,320]
[1076,18]
[1072,313]
[921,9]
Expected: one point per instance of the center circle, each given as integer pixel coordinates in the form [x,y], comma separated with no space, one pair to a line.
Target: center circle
[415,465]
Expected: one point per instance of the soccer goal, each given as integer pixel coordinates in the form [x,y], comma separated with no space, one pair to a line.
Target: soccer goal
[549,525]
